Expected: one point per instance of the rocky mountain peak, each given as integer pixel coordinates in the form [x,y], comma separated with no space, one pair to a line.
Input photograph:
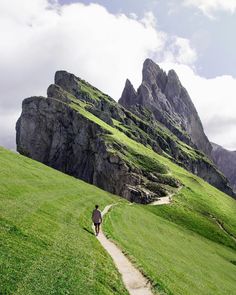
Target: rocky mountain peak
[152,74]
[67,81]
[163,95]
[173,75]
[63,131]
[128,83]
[173,85]
[129,94]
[62,75]
[150,70]
[177,94]
[55,91]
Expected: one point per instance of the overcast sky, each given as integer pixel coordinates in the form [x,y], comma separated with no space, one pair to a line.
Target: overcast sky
[106,42]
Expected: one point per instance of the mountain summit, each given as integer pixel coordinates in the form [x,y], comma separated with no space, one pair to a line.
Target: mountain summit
[164,96]
[83,132]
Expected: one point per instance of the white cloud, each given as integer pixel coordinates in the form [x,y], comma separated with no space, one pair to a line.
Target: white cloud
[215,100]
[179,51]
[7,128]
[209,7]
[39,37]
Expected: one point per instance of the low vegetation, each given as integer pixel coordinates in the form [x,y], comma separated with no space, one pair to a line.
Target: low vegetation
[181,247]
[46,241]
[177,259]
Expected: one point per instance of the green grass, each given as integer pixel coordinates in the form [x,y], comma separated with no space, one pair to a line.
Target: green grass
[94,93]
[46,241]
[45,224]
[134,132]
[179,247]
[135,153]
[176,260]
[144,162]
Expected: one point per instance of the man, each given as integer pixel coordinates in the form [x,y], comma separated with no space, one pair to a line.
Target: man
[97,219]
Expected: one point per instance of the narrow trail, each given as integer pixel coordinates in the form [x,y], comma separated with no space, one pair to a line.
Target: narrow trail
[166,200]
[162,201]
[221,226]
[134,281]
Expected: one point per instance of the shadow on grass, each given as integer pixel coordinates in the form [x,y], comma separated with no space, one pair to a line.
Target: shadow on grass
[89,231]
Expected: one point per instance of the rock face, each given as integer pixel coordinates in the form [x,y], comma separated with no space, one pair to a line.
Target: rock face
[62,131]
[168,100]
[226,161]
[52,132]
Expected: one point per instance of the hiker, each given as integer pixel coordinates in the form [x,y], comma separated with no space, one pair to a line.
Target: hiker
[97,219]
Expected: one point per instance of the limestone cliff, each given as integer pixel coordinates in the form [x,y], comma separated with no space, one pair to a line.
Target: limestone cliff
[70,130]
[164,95]
[52,132]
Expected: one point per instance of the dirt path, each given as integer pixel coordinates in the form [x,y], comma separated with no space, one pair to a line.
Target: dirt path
[221,226]
[134,281]
[165,200]
[161,201]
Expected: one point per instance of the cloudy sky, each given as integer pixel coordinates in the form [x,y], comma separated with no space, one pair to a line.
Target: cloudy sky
[106,41]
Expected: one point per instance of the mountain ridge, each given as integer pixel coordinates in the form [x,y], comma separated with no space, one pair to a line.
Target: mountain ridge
[79,130]
[164,95]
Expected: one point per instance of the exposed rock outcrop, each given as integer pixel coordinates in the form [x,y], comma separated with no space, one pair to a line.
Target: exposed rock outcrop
[164,95]
[56,131]
[53,133]
[226,161]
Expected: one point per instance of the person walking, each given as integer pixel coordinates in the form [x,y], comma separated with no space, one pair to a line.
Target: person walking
[97,219]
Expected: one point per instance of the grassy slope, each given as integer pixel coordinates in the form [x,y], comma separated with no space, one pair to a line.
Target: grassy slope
[175,259]
[46,245]
[95,94]
[192,255]
[179,247]
[199,198]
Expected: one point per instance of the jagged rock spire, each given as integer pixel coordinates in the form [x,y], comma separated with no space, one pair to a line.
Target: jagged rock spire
[129,94]
[164,95]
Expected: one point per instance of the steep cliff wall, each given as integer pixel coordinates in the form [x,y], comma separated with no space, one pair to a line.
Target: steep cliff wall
[57,135]
[62,132]
[164,95]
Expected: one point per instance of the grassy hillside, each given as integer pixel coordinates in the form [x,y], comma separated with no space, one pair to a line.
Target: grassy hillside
[177,260]
[188,247]
[46,244]
[47,247]
[206,203]
[46,241]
